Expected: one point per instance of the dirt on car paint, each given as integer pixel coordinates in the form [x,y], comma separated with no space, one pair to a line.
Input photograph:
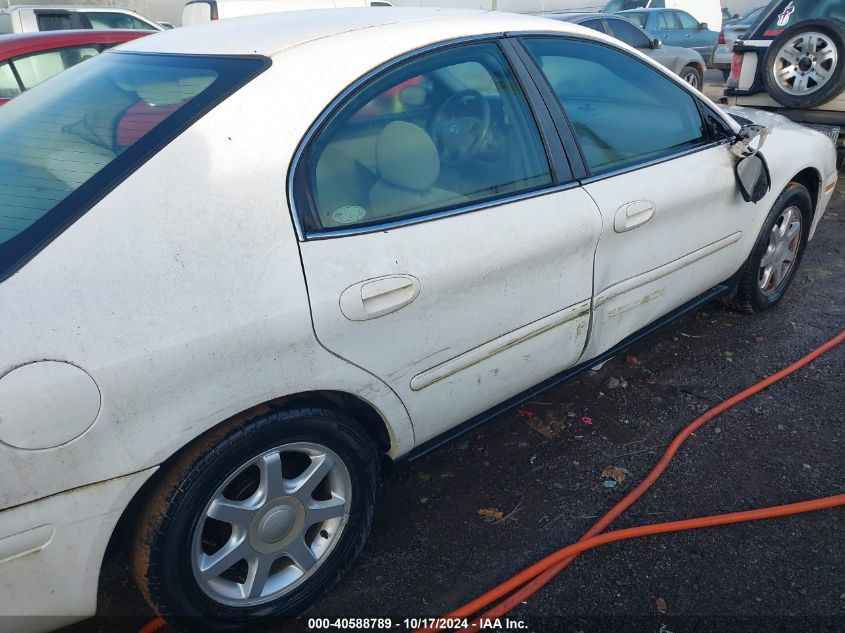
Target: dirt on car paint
[431,550]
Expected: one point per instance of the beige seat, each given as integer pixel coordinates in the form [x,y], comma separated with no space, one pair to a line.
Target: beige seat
[408,166]
[341,181]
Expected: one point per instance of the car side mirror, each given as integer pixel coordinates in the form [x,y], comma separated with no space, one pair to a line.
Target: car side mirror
[752,171]
[752,176]
[656,43]
[736,16]
[703,26]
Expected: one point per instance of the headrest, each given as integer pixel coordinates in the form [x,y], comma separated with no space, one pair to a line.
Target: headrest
[406,156]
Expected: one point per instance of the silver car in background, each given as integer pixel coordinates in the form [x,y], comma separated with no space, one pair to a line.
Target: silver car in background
[685,62]
[731,32]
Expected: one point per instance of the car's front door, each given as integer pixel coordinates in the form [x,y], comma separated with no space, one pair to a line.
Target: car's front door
[695,37]
[443,251]
[661,176]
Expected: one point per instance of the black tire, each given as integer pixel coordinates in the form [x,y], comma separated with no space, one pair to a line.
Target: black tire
[692,74]
[746,295]
[161,561]
[834,33]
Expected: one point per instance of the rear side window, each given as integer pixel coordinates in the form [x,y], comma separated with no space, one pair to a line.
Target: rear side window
[9,86]
[637,18]
[445,130]
[68,142]
[623,112]
[596,25]
[33,69]
[629,34]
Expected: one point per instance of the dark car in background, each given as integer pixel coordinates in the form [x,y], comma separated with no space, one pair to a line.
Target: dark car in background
[27,59]
[684,62]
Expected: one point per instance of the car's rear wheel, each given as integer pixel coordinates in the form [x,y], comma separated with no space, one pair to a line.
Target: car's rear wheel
[256,523]
[805,65]
[773,262]
[692,76]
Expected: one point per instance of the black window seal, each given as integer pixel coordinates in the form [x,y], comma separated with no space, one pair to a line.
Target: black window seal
[81,200]
[555,105]
[299,187]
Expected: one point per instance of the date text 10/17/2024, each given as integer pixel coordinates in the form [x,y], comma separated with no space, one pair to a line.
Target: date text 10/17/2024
[445,624]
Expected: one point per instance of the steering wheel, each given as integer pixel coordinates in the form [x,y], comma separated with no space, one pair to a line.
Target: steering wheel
[461,126]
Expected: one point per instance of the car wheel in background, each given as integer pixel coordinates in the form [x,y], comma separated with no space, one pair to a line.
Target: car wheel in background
[256,521]
[805,65]
[774,260]
[692,76]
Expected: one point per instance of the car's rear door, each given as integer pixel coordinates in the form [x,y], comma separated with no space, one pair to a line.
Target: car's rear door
[459,274]
[661,175]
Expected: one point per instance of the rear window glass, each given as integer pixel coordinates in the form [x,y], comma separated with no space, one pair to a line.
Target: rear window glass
[69,141]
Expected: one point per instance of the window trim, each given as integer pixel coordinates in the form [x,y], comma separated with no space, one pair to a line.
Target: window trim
[589,177]
[66,213]
[300,191]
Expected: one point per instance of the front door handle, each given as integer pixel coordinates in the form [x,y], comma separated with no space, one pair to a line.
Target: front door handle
[378,296]
[630,216]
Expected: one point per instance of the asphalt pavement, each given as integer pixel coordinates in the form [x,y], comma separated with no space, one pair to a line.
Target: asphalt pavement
[471,515]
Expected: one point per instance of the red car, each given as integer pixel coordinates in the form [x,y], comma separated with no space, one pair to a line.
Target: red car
[29,58]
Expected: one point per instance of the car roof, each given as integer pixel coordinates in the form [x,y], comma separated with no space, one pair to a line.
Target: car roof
[647,10]
[23,43]
[271,33]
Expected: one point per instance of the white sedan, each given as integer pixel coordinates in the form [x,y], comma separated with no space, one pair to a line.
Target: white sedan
[244,265]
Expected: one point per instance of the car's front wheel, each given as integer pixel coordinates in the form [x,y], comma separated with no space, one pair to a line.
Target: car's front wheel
[256,523]
[773,262]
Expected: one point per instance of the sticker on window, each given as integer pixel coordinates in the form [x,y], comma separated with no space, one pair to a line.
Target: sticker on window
[348,214]
[783,17]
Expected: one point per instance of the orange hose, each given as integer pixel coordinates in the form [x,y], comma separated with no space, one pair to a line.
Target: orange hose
[538,575]
[153,625]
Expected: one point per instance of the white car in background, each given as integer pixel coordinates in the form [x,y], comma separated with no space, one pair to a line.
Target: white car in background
[224,307]
[34,18]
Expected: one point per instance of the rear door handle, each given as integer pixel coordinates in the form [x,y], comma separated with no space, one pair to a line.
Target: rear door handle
[378,296]
[630,216]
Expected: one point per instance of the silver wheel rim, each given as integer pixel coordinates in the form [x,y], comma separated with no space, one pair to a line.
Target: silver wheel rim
[781,252]
[271,524]
[805,64]
[691,79]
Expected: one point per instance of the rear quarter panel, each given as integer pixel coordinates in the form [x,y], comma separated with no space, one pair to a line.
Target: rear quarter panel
[181,294]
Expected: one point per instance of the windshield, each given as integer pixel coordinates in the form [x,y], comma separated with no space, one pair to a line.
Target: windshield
[71,139]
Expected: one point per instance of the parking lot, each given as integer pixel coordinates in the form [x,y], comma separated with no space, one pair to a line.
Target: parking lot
[471,515]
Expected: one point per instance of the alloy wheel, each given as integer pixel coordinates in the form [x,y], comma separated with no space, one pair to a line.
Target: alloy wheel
[271,524]
[781,252]
[806,63]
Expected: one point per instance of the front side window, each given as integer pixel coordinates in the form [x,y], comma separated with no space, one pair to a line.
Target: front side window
[629,34]
[69,141]
[669,21]
[688,23]
[9,86]
[623,112]
[445,130]
[38,67]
